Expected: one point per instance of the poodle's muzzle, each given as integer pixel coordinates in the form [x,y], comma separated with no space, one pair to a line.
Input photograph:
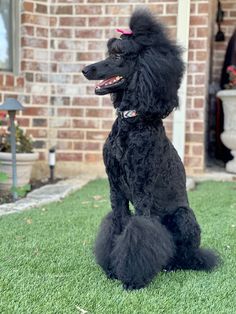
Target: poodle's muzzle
[103,70]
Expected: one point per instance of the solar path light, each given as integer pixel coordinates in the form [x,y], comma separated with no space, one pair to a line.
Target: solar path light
[11,105]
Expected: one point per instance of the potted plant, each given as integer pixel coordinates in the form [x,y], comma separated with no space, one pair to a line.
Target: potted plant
[25,157]
[228,97]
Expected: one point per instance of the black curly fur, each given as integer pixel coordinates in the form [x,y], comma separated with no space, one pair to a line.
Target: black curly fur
[142,165]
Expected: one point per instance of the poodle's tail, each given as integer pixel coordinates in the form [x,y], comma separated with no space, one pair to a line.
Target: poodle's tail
[199,259]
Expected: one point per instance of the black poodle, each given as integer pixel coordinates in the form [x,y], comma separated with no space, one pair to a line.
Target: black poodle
[143,72]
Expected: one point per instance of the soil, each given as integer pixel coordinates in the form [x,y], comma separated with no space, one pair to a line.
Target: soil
[6,197]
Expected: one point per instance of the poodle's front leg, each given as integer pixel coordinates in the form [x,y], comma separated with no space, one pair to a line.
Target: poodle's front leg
[111,226]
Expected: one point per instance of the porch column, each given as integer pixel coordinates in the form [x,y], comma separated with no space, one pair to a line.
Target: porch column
[179,118]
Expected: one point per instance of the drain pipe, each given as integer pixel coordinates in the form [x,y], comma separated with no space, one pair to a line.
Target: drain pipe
[179,118]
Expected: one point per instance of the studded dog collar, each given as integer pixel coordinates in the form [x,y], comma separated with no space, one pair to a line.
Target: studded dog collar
[126,114]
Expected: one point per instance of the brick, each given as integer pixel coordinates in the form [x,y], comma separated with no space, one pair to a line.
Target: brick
[85,101]
[96,135]
[41,8]
[201,55]
[34,42]
[39,144]
[29,77]
[72,21]
[27,53]
[37,133]
[20,82]
[64,145]
[9,80]
[71,44]
[53,21]
[198,103]
[69,156]
[101,1]
[88,33]
[195,138]
[1,80]
[196,67]
[89,56]
[97,45]
[118,9]
[85,124]
[102,21]
[28,6]
[86,146]
[203,8]
[197,44]
[41,32]
[23,122]
[199,20]
[70,67]
[107,124]
[40,100]
[202,32]
[61,33]
[198,127]
[70,112]
[62,56]
[92,157]
[193,161]
[172,8]
[99,113]
[27,30]
[88,10]
[39,122]
[194,114]
[33,111]
[169,20]
[196,91]
[34,66]
[61,10]
[70,134]
[60,101]
[34,19]
[156,8]
[200,79]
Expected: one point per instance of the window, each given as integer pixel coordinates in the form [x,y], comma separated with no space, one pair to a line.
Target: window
[9,36]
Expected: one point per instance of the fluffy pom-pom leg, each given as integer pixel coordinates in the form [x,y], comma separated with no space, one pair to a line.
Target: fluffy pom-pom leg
[110,228]
[141,251]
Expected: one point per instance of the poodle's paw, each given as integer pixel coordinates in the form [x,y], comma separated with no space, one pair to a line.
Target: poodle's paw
[132,286]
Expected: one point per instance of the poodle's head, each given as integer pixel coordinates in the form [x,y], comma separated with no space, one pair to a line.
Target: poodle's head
[143,69]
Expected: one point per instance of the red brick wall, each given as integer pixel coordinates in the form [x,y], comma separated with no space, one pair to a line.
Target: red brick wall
[60,37]
[198,73]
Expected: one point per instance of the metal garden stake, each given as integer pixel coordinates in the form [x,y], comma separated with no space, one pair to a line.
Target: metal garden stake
[11,105]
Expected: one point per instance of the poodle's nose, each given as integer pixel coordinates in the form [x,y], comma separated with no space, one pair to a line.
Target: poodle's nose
[88,70]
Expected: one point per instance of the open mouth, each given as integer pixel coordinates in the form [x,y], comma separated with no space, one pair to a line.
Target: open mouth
[104,86]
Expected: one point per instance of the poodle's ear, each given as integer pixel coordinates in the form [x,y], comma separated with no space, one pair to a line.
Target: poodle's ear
[158,80]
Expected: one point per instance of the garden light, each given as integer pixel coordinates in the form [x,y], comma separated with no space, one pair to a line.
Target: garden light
[11,105]
[52,162]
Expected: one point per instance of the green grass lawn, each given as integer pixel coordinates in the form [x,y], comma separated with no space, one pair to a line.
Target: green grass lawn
[47,264]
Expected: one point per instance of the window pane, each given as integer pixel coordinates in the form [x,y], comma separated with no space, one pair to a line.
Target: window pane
[5,35]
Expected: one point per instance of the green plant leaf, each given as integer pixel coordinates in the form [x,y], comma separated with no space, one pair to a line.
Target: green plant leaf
[3,177]
[22,191]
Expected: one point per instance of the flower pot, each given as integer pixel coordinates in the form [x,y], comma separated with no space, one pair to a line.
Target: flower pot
[228,137]
[24,164]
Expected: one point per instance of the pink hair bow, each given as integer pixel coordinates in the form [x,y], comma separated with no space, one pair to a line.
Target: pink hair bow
[124,31]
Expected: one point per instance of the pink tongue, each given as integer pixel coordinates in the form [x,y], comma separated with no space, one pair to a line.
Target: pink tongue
[105,81]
